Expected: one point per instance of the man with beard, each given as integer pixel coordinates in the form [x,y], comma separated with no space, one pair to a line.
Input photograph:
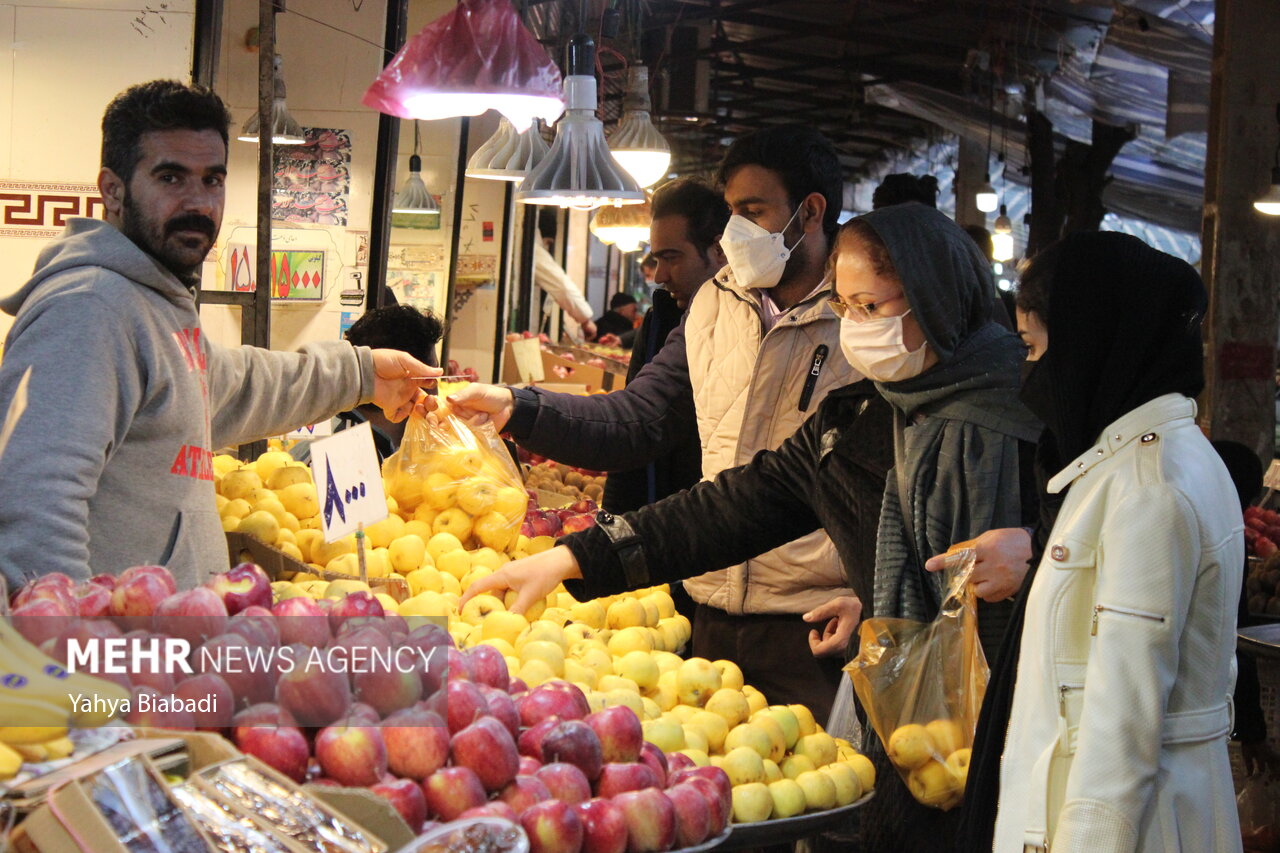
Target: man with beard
[110,465]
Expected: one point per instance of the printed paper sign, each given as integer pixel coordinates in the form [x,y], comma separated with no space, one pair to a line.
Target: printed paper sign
[348,482]
[320,430]
[1271,479]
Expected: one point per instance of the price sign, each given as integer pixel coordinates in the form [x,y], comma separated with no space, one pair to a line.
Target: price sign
[348,482]
[1271,479]
[311,431]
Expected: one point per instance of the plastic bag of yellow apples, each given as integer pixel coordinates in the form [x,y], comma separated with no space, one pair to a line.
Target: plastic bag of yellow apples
[459,479]
[922,684]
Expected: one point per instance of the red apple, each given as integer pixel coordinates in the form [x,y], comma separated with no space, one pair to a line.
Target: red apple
[93,601]
[84,632]
[530,742]
[417,743]
[302,621]
[243,586]
[312,692]
[356,756]
[244,667]
[579,523]
[193,615]
[354,605]
[265,714]
[502,708]
[215,689]
[651,820]
[718,814]
[106,581]
[353,623]
[160,573]
[353,651]
[555,699]
[619,778]
[450,791]
[284,748]
[678,761]
[257,625]
[490,666]
[385,688]
[43,619]
[604,828]
[359,711]
[460,703]
[458,666]
[146,673]
[495,808]
[552,827]
[566,782]
[517,689]
[135,599]
[529,766]
[574,742]
[620,733]
[693,814]
[406,797]
[713,776]
[523,792]
[657,759]
[487,748]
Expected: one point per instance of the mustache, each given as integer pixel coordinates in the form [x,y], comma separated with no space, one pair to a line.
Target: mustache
[191,222]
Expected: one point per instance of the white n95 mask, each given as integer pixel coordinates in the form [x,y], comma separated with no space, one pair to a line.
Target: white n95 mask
[756,256]
[876,349]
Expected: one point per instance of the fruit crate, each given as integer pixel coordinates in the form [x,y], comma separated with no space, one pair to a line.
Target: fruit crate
[278,565]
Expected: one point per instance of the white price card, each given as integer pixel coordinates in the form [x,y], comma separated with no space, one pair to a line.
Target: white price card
[1271,479]
[348,482]
[310,431]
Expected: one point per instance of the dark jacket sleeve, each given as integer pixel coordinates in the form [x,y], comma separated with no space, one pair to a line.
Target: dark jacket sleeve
[742,513]
[617,431]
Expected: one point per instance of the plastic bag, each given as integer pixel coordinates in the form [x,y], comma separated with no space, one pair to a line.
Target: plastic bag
[459,479]
[1259,808]
[922,684]
[472,835]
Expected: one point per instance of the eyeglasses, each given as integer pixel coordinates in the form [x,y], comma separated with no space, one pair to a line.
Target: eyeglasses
[859,312]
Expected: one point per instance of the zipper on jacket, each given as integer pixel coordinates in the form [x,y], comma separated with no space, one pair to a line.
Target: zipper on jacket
[1123,611]
[811,381]
[1063,690]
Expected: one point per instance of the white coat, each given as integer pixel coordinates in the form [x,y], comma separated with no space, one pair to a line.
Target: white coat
[1121,714]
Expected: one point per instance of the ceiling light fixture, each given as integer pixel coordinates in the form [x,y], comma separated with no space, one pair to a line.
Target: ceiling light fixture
[475,58]
[1270,202]
[508,155]
[414,197]
[986,199]
[579,171]
[1002,237]
[635,142]
[626,227]
[284,129]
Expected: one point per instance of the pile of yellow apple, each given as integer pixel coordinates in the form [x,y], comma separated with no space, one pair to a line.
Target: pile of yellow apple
[933,759]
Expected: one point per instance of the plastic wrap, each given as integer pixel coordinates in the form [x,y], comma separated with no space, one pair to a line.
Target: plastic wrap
[137,807]
[922,684]
[477,835]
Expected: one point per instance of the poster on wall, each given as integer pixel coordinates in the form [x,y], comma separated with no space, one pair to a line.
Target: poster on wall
[296,274]
[418,288]
[313,180]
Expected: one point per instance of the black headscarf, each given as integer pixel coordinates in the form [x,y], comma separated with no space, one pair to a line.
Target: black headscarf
[1124,328]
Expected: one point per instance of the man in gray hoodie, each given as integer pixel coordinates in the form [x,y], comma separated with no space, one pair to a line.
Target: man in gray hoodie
[111,464]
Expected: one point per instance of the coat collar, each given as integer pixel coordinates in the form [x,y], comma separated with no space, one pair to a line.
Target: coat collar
[1138,423]
[809,308]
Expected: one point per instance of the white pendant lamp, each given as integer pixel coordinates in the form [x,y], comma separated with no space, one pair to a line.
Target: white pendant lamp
[1270,203]
[986,198]
[284,129]
[414,197]
[635,142]
[1002,237]
[508,155]
[626,227]
[579,171]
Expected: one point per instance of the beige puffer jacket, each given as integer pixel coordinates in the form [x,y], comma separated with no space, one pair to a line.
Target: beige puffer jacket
[752,391]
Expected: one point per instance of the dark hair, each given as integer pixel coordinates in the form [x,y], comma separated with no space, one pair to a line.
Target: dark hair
[649,262]
[703,209]
[861,233]
[401,327]
[803,158]
[982,237]
[548,223]
[157,105]
[902,188]
[1035,280]
[621,300]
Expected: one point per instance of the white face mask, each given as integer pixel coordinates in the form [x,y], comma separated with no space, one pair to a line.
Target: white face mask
[756,256]
[876,349]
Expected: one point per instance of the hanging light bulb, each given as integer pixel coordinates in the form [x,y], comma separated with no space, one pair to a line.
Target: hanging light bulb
[1002,237]
[1270,202]
[476,57]
[508,155]
[635,142]
[626,227]
[284,130]
[986,198]
[579,171]
[414,197]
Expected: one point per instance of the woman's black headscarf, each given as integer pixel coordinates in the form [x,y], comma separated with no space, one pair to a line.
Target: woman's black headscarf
[1124,328]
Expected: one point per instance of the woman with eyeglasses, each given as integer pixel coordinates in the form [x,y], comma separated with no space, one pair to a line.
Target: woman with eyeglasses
[940,405]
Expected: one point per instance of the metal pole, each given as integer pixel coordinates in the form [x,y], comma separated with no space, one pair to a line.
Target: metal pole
[459,188]
[384,170]
[504,274]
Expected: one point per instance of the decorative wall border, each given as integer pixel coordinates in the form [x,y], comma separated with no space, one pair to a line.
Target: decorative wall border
[41,208]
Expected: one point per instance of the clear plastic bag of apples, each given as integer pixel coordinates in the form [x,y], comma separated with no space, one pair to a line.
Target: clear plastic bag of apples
[458,478]
[922,683]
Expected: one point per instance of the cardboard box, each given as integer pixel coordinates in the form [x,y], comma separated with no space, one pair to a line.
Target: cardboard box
[278,565]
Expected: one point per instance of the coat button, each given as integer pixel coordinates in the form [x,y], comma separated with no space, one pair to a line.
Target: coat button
[1150,438]
[604,517]
[1059,553]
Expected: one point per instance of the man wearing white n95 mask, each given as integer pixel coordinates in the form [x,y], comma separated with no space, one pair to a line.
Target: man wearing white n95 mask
[757,353]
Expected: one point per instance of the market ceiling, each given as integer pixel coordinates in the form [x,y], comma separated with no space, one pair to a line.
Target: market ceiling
[887,74]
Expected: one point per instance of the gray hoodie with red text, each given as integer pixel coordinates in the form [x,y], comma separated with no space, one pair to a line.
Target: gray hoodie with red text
[110,466]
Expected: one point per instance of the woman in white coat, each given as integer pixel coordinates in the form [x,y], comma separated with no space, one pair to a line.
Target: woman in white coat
[1117,738]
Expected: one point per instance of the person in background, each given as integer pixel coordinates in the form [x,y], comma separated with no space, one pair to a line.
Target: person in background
[620,319]
[1117,735]
[127,398]
[904,188]
[648,268]
[753,359]
[399,327]
[552,279]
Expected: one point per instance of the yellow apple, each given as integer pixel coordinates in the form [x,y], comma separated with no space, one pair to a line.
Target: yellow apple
[501,645]
[749,735]
[625,613]
[730,674]
[666,736]
[625,697]
[693,736]
[932,783]
[714,727]
[630,639]
[488,558]
[237,508]
[540,629]
[773,730]
[406,553]
[440,544]
[479,608]
[788,798]
[502,625]
[535,672]
[640,667]
[424,514]
[618,682]
[456,563]
[598,660]
[820,747]
[476,496]
[455,521]
[793,765]
[701,759]
[786,718]
[664,697]
[958,763]
[752,803]
[804,717]
[237,484]
[650,611]
[425,579]
[696,680]
[547,652]
[300,498]
[450,585]
[909,746]
[667,662]
[382,533]
[510,502]
[730,704]
[261,525]
[494,530]
[670,635]
[389,604]
[756,700]
[947,736]
[590,613]
[848,786]
[819,790]
[744,765]
[665,604]
[538,544]
[683,713]
[579,674]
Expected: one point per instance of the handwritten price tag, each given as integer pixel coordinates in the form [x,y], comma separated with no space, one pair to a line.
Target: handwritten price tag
[348,482]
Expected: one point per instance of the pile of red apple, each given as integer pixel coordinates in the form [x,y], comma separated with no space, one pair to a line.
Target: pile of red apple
[454,738]
[1261,531]
[579,515]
